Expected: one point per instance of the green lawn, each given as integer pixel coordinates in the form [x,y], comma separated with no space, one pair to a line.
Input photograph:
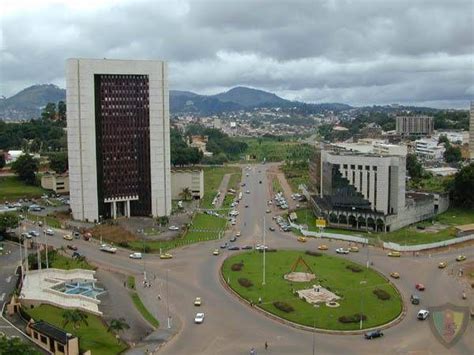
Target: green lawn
[431,184]
[212,179]
[12,188]
[331,272]
[131,282]
[58,261]
[271,149]
[296,174]
[144,311]
[203,228]
[92,337]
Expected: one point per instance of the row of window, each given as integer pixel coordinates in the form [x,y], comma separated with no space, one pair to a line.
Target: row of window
[359,167]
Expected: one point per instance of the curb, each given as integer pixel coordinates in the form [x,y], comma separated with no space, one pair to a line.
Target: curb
[390,324]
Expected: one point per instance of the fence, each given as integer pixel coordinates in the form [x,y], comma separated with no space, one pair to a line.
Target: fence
[348,238]
[420,247]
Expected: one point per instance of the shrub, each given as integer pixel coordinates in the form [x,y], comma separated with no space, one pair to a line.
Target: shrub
[283,306]
[381,294]
[237,267]
[123,244]
[313,253]
[355,318]
[245,282]
[354,268]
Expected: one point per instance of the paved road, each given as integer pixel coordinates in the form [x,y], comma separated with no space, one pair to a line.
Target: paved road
[232,327]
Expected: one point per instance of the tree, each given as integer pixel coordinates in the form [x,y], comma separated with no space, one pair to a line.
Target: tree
[452,154]
[462,189]
[58,162]
[117,325]
[443,139]
[7,221]
[2,161]
[15,346]
[62,111]
[75,317]
[186,194]
[49,112]
[414,168]
[26,167]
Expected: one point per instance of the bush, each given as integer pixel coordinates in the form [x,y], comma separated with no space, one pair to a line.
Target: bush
[355,318]
[123,244]
[283,306]
[313,253]
[237,267]
[245,282]
[354,268]
[381,294]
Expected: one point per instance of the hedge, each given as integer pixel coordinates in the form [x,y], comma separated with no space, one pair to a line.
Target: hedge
[245,282]
[381,294]
[355,318]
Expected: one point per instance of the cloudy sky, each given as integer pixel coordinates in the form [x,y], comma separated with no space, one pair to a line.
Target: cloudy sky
[357,52]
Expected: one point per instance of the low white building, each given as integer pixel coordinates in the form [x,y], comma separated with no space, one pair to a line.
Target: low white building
[193,179]
[373,146]
[429,149]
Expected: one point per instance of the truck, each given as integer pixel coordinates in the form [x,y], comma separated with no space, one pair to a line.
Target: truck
[108,248]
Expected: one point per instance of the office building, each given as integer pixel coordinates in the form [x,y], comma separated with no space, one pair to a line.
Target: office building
[191,179]
[414,125]
[118,138]
[59,183]
[429,149]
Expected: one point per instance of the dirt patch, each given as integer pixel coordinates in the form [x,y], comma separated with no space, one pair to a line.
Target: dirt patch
[113,233]
[299,276]
[434,228]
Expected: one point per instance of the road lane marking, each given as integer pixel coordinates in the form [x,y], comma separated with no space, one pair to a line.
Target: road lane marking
[8,279]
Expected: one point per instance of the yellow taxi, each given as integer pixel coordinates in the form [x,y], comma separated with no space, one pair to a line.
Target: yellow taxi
[395,275]
[323,247]
[354,249]
[394,254]
[442,265]
[166,256]
[67,237]
[301,239]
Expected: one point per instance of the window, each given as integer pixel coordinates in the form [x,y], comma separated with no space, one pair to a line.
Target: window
[374,168]
[61,348]
[367,167]
[345,166]
[359,167]
[35,335]
[353,166]
[43,339]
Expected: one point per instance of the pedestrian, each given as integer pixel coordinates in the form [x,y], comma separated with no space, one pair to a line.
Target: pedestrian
[252,351]
[124,284]
[159,297]
[266,345]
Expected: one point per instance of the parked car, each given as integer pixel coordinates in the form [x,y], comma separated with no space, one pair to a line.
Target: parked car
[234,247]
[215,252]
[87,236]
[166,256]
[342,251]
[272,229]
[49,232]
[268,211]
[76,255]
[373,334]
[199,318]
[233,239]
[67,237]
[261,247]
[237,234]
[71,247]
[354,249]
[460,258]
[422,314]
[323,247]
[197,301]
[442,265]
[420,287]
[246,247]
[394,254]
[415,299]
[173,228]
[135,256]
[395,275]
[223,246]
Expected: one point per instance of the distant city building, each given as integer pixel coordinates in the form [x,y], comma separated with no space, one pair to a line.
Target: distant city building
[200,142]
[429,149]
[193,179]
[471,131]
[59,183]
[118,138]
[414,125]
[375,146]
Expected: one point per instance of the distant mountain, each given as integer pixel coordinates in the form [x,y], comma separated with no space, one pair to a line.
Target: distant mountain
[27,104]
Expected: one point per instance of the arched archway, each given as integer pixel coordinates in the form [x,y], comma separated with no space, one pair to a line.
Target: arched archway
[333,218]
[371,223]
[380,225]
[352,220]
[361,221]
[342,219]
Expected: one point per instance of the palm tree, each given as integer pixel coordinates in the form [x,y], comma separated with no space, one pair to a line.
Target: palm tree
[186,194]
[117,325]
[75,317]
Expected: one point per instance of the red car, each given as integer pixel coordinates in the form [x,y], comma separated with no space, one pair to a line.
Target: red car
[71,247]
[420,287]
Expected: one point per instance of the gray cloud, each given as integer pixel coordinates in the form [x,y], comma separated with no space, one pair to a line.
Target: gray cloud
[359,52]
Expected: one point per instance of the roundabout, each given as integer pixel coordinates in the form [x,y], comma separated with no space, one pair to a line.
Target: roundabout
[361,293]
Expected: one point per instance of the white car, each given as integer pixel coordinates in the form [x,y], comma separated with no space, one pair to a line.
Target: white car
[199,318]
[342,251]
[233,222]
[423,314]
[49,232]
[135,256]
[261,247]
[173,228]
[247,192]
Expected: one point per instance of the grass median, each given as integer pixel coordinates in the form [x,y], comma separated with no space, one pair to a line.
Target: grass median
[12,188]
[212,179]
[143,310]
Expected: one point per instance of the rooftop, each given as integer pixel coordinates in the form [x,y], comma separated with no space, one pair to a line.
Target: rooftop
[52,331]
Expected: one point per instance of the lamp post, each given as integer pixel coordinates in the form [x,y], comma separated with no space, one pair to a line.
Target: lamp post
[363,282]
[167,301]
[264,247]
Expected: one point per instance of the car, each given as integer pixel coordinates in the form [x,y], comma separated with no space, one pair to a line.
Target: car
[49,232]
[261,247]
[67,237]
[237,234]
[77,235]
[87,236]
[234,247]
[197,301]
[260,182]
[246,206]
[354,249]
[422,314]
[233,239]
[215,252]
[323,247]
[420,287]
[342,251]
[107,248]
[233,222]
[135,256]
[223,246]
[40,224]
[301,239]
[173,228]
[76,255]
[199,318]
[246,247]
[268,211]
[247,192]
[166,256]
[394,254]
[442,265]
[373,334]
[460,258]
[415,299]
[26,235]
[71,247]
[34,233]
[271,229]
[395,275]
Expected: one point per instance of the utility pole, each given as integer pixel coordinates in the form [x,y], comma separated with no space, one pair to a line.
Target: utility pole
[264,247]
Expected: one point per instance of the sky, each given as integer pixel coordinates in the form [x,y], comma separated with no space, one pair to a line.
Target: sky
[360,52]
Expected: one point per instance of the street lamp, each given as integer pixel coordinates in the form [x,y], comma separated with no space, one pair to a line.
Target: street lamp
[363,282]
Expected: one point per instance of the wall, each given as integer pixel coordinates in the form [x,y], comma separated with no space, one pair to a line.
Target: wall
[419,247]
[412,213]
[193,179]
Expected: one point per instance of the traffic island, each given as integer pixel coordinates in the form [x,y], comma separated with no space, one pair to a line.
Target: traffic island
[358,293]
